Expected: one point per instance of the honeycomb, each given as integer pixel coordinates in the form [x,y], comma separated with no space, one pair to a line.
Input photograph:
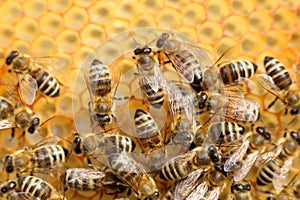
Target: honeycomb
[75,29]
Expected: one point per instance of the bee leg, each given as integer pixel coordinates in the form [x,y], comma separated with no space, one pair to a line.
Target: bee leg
[272,103]
[12,134]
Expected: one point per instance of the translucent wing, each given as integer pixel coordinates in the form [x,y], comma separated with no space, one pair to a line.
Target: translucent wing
[268,84]
[49,62]
[241,173]
[234,161]
[51,140]
[83,174]
[198,192]
[22,196]
[214,194]
[180,67]
[228,55]
[201,54]
[280,176]
[184,187]
[269,155]
[5,124]
[159,76]
[27,88]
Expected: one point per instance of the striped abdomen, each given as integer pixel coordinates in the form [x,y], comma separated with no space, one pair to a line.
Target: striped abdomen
[49,156]
[47,84]
[279,74]
[6,108]
[266,174]
[117,144]
[147,131]
[156,99]
[35,186]
[99,79]
[235,71]
[225,132]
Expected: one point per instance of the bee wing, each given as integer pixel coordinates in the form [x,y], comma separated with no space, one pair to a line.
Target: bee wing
[51,140]
[49,62]
[27,88]
[198,192]
[214,194]
[184,187]
[280,176]
[22,196]
[268,84]
[5,124]
[269,155]
[228,55]
[233,162]
[241,173]
[201,54]
[159,76]
[83,174]
[180,67]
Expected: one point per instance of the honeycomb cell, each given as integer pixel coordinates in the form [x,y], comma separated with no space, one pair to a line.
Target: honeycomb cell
[243,7]
[252,43]
[295,40]
[61,126]
[34,8]
[217,10]
[288,57]
[81,56]
[102,12]
[127,8]
[276,39]
[12,11]
[21,46]
[235,26]
[45,108]
[65,104]
[151,6]
[260,21]
[93,35]
[76,18]
[26,28]
[168,18]
[284,18]
[210,31]
[59,5]
[190,31]
[51,23]
[82,121]
[118,25]
[84,3]
[193,14]
[143,20]
[291,3]
[225,43]
[67,67]
[175,3]
[268,4]
[68,40]
[43,45]
[6,34]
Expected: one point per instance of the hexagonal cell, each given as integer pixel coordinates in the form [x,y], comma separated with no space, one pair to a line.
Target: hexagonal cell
[168,18]
[243,7]
[59,5]
[253,42]
[127,8]
[6,34]
[93,35]
[68,40]
[35,8]
[65,104]
[193,14]
[210,31]
[217,10]
[118,25]
[51,23]
[61,126]
[276,39]
[235,26]
[151,6]
[85,3]
[190,31]
[295,40]
[143,20]
[284,18]
[268,4]
[257,24]
[26,28]
[225,43]
[21,46]
[102,12]
[43,45]
[76,18]
[12,11]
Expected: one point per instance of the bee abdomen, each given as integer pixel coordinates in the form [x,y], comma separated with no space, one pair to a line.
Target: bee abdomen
[35,186]
[47,84]
[225,132]
[266,174]
[6,108]
[82,180]
[117,144]
[156,99]
[50,156]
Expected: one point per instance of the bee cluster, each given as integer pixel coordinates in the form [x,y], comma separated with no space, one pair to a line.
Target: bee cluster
[192,135]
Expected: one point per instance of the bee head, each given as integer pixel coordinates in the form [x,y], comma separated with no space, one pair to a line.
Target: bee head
[161,41]
[34,125]
[11,57]
[8,164]
[295,135]
[5,189]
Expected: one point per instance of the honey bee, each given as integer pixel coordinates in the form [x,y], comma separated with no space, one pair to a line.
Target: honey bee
[180,166]
[278,82]
[147,131]
[190,61]
[241,190]
[99,82]
[45,155]
[278,161]
[97,145]
[87,179]
[6,108]
[29,187]
[152,82]
[32,75]
[133,173]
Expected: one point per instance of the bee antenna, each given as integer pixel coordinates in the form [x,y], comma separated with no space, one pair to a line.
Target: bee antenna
[44,122]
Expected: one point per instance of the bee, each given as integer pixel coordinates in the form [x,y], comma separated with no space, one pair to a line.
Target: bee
[45,155]
[190,61]
[241,190]
[99,82]
[97,145]
[233,108]
[147,131]
[180,166]
[32,75]
[133,173]
[279,82]
[152,82]
[87,179]
[29,187]
[6,108]
[278,161]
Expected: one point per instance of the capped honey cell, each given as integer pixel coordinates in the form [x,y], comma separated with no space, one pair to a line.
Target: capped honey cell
[12,10]
[76,18]
[35,8]
[168,18]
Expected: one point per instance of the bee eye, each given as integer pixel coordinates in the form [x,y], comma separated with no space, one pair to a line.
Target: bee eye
[9,169]
[12,185]
[4,190]
[36,121]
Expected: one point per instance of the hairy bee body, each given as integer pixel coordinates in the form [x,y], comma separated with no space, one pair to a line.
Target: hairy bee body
[156,98]
[30,186]
[6,108]
[241,190]
[235,71]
